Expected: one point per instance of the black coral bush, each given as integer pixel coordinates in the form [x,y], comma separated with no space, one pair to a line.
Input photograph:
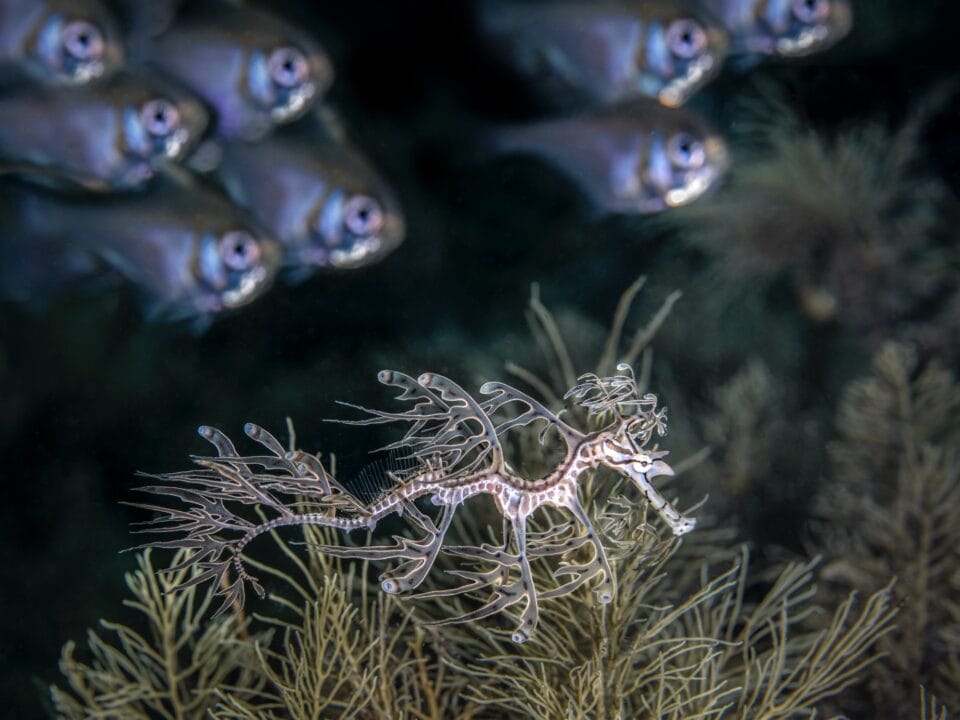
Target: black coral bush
[894,510]
[676,626]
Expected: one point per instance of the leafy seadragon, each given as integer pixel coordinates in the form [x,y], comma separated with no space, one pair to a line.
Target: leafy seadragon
[455,443]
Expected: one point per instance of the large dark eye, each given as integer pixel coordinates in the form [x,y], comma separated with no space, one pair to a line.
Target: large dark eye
[83,40]
[160,117]
[288,66]
[811,11]
[362,215]
[686,152]
[239,250]
[686,38]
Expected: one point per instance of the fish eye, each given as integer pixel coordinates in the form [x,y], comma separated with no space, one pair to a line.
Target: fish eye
[82,40]
[288,66]
[160,117]
[686,38]
[686,152]
[811,11]
[239,250]
[363,215]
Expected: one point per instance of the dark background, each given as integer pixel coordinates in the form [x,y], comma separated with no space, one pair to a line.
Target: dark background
[90,393]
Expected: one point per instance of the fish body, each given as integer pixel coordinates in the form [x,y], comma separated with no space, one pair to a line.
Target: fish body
[61,42]
[789,28]
[317,195]
[189,251]
[634,158]
[253,69]
[608,51]
[101,137]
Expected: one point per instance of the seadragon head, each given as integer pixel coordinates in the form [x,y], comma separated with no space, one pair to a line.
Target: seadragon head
[631,421]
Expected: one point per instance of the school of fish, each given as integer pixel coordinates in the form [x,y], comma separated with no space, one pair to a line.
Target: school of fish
[186,149]
[617,73]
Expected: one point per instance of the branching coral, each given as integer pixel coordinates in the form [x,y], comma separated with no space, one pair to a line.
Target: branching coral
[894,510]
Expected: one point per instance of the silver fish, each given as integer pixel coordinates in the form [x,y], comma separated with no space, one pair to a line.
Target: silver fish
[317,195]
[254,69]
[189,251]
[638,157]
[102,137]
[791,28]
[609,51]
[58,41]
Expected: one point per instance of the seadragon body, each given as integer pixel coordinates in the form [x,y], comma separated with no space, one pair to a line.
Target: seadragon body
[454,442]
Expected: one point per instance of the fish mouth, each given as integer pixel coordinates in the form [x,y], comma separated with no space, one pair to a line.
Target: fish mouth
[187,136]
[255,281]
[251,285]
[92,69]
[818,37]
[295,103]
[676,92]
[807,41]
[366,251]
[704,179]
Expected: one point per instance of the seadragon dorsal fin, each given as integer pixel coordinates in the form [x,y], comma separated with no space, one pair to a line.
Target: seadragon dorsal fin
[379,476]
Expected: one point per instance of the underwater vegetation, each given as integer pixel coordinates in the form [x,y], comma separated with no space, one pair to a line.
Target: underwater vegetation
[896,513]
[679,626]
[854,221]
[662,648]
